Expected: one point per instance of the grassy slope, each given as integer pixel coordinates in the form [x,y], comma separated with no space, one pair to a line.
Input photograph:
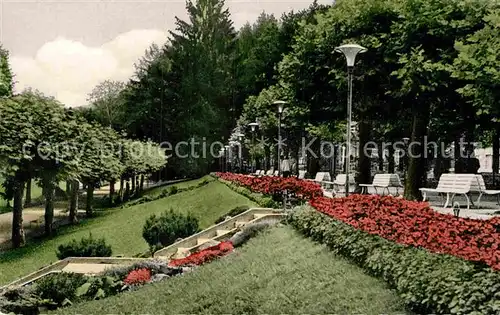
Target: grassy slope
[122,228]
[278,272]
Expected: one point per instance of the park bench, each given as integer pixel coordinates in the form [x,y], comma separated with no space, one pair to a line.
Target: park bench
[340,181]
[484,191]
[460,184]
[276,173]
[302,174]
[269,172]
[384,181]
[257,173]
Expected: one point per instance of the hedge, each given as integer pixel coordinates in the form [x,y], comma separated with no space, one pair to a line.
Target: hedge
[427,282]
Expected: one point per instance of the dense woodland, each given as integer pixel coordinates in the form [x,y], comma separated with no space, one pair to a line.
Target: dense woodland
[432,70]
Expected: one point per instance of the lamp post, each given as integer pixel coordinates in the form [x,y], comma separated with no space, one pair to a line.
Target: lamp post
[254,127]
[240,140]
[281,105]
[350,51]
[221,155]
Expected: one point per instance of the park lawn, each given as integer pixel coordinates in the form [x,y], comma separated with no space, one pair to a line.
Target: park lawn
[278,272]
[122,228]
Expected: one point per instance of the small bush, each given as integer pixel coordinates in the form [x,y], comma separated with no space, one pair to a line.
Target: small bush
[163,230]
[233,212]
[86,247]
[59,286]
[172,190]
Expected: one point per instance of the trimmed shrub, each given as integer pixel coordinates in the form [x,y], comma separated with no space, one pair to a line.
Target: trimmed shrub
[163,230]
[233,212]
[86,247]
[427,282]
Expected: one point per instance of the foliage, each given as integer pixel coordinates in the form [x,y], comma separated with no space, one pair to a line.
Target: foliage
[138,276]
[416,224]
[155,266]
[86,247]
[204,256]
[99,287]
[163,230]
[428,283]
[271,185]
[59,287]
[6,76]
[106,103]
[233,212]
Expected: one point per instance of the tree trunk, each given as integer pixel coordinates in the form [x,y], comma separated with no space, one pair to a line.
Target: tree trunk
[380,158]
[416,168]
[133,186]
[48,193]
[496,154]
[68,189]
[457,155]
[363,175]
[313,162]
[18,239]
[141,184]
[73,201]
[391,163]
[126,195]
[27,199]
[90,199]
[120,192]
[111,191]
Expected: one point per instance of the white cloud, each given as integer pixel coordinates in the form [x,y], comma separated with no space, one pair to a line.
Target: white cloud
[68,70]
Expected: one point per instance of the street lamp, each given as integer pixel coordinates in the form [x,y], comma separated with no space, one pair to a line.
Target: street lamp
[281,106]
[240,140]
[227,157]
[350,51]
[254,126]
[221,155]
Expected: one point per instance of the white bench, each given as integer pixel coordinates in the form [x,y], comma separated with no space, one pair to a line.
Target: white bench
[276,173]
[484,191]
[340,181]
[257,173]
[269,172]
[384,181]
[459,184]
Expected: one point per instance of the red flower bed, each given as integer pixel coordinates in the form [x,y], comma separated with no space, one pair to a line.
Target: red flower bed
[416,224]
[138,276]
[402,221]
[270,185]
[203,256]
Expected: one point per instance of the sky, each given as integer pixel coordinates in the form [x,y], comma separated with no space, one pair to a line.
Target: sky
[64,48]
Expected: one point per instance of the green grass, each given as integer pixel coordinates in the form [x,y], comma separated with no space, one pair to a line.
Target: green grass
[278,272]
[122,228]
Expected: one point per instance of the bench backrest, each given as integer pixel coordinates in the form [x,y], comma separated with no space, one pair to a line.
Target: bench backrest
[269,172]
[459,182]
[340,179]
[322,176]
[257,172]
[302,174]
[276,173]
[386,180]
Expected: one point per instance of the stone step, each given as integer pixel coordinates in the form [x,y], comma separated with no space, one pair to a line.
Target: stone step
[202,240]
[221,232]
